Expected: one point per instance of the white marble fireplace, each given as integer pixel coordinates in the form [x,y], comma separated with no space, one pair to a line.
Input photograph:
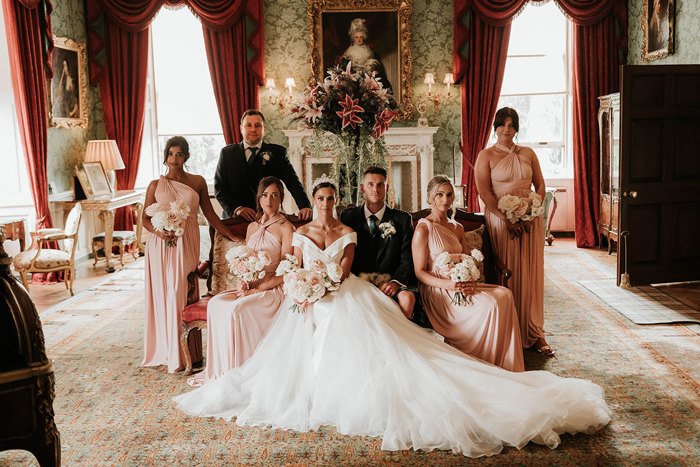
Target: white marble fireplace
[410,164]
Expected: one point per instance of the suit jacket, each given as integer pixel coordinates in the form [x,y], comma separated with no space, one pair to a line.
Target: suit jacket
[236,181]
[383,255]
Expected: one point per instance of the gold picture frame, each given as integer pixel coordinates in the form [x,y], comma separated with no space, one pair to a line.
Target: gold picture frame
[99,185]
[331,22]
[658,25]
[67,90]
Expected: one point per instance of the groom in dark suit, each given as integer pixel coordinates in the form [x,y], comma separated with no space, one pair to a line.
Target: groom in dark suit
[242,166]
[383,240]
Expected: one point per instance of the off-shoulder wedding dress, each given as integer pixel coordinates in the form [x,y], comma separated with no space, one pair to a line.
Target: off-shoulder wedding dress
[355,362]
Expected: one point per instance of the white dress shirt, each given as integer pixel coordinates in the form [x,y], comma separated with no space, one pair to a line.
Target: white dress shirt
[379,214]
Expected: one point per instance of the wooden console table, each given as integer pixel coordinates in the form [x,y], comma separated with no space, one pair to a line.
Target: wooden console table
[106,205]
[14,229]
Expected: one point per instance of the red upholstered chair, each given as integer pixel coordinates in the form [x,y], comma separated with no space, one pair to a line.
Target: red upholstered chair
[194,316]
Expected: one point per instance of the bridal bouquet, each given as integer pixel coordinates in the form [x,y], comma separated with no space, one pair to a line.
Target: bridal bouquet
[459,267]
[309,284]
[169,218]
[521,209]
[246,264]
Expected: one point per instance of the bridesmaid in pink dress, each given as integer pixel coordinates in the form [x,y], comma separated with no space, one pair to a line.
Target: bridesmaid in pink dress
[486,328]
[167,266]
[238,319]
[508,169]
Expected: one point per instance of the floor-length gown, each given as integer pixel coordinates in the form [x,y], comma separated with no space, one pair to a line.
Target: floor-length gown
[523,255]
[356,363]
[486,328]
[236,325]
[166,273]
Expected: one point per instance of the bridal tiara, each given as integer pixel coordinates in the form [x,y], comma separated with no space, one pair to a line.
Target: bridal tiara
[322,179]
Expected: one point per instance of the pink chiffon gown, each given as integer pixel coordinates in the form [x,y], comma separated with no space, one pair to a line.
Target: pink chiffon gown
[236,326]
[166,273]
[523,255]
[486,328]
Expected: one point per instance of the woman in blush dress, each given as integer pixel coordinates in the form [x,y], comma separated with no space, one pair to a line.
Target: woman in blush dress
[487,325]
[509,169]
[355,362]
[238,319]
[169,259]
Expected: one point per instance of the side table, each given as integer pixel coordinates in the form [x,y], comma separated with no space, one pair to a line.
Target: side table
[105,206]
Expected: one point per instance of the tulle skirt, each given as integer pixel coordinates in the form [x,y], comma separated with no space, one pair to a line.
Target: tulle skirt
[355,362]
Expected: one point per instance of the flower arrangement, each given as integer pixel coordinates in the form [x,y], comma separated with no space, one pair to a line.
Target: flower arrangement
[519,209]
[170,218]
[309,284]
[349,112]
[459,267]
[246,265]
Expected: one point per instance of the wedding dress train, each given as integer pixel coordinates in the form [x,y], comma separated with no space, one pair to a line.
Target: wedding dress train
[355,362]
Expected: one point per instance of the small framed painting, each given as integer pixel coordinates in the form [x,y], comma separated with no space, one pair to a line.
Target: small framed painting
[67,90]
[658,23]
[96,178]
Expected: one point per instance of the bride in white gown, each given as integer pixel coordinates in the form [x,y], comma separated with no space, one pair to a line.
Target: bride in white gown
[355,362]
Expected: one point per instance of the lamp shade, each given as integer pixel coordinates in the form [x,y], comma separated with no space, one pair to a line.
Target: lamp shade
[105,151]
[429,78]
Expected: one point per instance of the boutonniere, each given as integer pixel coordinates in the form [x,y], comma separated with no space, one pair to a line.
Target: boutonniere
[387,229]
[265,156]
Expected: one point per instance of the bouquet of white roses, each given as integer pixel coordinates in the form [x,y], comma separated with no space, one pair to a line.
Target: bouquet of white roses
[246,264]
[521,209]
[459,267]
[309,284]
[169,218]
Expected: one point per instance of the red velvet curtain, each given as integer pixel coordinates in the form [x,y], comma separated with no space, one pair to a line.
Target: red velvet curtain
[29,40]
[600,46]
[121,69]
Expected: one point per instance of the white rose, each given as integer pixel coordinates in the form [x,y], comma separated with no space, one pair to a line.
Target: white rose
[477,255]
[300,291]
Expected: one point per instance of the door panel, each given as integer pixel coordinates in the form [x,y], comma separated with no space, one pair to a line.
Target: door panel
[660,173]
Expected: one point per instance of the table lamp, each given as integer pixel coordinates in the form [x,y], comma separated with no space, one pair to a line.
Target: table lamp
[107,152]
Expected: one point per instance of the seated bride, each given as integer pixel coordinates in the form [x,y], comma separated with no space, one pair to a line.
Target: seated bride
[352,360]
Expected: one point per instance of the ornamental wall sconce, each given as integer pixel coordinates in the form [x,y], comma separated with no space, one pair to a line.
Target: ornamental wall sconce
[435,97]
[276,98]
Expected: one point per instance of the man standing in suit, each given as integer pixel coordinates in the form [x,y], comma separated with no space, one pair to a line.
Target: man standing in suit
[383,240]
[242,166]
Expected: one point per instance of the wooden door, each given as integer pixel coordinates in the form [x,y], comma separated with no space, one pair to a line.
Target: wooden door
[660,174]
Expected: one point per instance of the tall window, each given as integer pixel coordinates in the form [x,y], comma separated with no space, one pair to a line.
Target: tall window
[537,84]
[180,99]
[15,194]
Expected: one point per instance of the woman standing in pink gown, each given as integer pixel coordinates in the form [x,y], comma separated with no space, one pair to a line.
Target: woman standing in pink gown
[238,319]
[509,169]
[486,328]
[169,259]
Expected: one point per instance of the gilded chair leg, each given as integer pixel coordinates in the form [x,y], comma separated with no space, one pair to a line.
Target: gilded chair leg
[121,254]
[184,338]
[72,275]
[25,282]
[94,255]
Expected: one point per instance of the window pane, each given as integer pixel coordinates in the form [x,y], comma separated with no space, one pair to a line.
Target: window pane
[541,117]
[538,30]
[552,162]
[204,153]
[185,97]
[534,75]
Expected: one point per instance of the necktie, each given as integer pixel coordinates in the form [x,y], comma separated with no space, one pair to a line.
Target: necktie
[373,224]
[253,153]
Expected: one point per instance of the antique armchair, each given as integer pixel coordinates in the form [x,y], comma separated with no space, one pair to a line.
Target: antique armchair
[41,259]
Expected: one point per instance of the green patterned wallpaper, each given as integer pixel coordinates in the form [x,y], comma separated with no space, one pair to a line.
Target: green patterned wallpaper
[66,147]
[287,51]
[687,38]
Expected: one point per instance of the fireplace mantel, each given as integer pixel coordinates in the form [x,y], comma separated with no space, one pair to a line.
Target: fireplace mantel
[411,152]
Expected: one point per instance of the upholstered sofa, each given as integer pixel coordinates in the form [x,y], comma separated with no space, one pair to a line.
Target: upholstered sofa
[220,279]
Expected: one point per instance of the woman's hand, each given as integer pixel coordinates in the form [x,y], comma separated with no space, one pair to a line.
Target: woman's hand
[241,288]
[167,236]
[467,288]
[516,230]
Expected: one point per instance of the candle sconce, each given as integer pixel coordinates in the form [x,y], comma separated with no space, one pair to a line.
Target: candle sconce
[435,97]
[276,98]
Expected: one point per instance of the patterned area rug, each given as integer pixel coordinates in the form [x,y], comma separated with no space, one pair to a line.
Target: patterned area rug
[110,411]
[642,304]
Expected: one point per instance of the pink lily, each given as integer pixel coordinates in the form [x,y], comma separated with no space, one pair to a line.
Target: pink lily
[348,115]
